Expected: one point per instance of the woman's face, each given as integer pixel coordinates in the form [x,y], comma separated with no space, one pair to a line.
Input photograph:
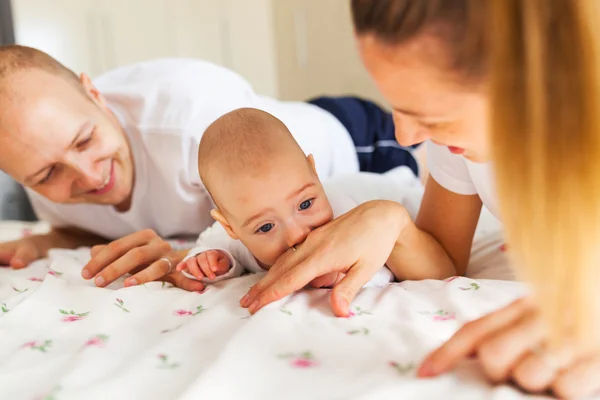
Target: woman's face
[427,102]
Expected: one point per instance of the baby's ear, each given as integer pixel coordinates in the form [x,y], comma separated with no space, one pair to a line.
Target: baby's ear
[311,161]
[220,218]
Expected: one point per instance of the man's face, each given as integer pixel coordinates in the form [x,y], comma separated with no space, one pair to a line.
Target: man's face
[58,138]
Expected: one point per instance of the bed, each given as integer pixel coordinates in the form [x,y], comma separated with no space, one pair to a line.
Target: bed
[63,339]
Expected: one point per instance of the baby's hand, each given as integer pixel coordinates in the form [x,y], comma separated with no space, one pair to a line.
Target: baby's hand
[210,263]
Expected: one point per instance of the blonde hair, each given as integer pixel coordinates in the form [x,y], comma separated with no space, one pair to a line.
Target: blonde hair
[539,59]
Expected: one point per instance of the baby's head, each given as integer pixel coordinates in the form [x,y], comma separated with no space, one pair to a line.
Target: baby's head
[266,190]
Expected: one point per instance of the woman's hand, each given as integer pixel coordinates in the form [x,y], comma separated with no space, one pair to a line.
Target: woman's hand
[509,344]
[357,243]
[143,254]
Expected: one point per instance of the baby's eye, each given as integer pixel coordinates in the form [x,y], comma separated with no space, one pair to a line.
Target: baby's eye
[305,205]
[265,228]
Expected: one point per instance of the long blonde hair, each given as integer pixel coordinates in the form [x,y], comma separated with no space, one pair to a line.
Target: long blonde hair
[539,60]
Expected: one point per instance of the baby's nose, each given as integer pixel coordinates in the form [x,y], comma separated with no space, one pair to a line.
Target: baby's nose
[297,234]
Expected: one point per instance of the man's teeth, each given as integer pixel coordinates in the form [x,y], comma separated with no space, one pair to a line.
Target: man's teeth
[106,180]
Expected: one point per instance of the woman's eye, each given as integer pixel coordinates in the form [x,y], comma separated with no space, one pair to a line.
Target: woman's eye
[305,205]
[265,228]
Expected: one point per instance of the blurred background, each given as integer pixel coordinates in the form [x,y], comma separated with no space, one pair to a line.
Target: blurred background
[287,49]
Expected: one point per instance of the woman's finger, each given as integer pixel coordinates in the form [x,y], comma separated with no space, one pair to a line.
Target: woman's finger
[290,281]
[181,281]
[579,380]
[283,264]
[345,291]
[153,272]
[538,369]
[468,338]
[143,255]
[117,249]
[504,349]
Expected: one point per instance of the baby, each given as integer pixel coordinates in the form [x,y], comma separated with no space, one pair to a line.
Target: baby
[268,198]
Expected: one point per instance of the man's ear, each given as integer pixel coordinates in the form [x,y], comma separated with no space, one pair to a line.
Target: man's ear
[91,90]
[220,218]
[311,161]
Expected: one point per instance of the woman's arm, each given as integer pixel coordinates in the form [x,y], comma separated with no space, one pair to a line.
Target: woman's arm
[438,245]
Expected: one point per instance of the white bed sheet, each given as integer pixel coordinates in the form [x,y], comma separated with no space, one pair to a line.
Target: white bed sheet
[62,339]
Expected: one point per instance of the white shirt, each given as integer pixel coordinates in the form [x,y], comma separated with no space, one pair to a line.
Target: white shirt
[459,175]
[164,107]
[344,193]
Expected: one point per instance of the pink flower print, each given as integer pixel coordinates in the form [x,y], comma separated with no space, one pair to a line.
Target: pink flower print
[302,360]
[26,232]
[96,341]
[35,279]
[440,315]
[185,313]
[121,304]
[72,316]
[444,316]
[164,362]
[359,312]
[54,273]
[41,347]
[447,280]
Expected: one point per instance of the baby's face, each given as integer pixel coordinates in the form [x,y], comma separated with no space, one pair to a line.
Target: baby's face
[274,211]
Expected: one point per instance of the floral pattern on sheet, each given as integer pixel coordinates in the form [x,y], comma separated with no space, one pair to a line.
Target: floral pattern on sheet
[97,341]
[301,360]
[54,273]
[361,331]
[473,286]
[72,316]
[187,313]
[440,315]
[285,311]
[20,290]
[121,304]
[359,312]
[38,346]
[402,369]
[4,308]
[164,362]
[35,279]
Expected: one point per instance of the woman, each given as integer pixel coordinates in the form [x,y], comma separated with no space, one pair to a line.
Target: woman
[529,71]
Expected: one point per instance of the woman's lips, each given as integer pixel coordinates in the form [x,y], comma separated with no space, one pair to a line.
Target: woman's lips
[456,150]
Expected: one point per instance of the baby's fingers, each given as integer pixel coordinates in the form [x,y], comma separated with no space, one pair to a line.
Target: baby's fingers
[209,265]
[223,265]
[193,268]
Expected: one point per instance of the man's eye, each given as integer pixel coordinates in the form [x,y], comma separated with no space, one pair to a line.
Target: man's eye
[305,205]
[265,228]
[47,177]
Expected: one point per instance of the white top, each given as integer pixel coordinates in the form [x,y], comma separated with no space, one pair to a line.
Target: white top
[164,107]
[459,175]
[344,193]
